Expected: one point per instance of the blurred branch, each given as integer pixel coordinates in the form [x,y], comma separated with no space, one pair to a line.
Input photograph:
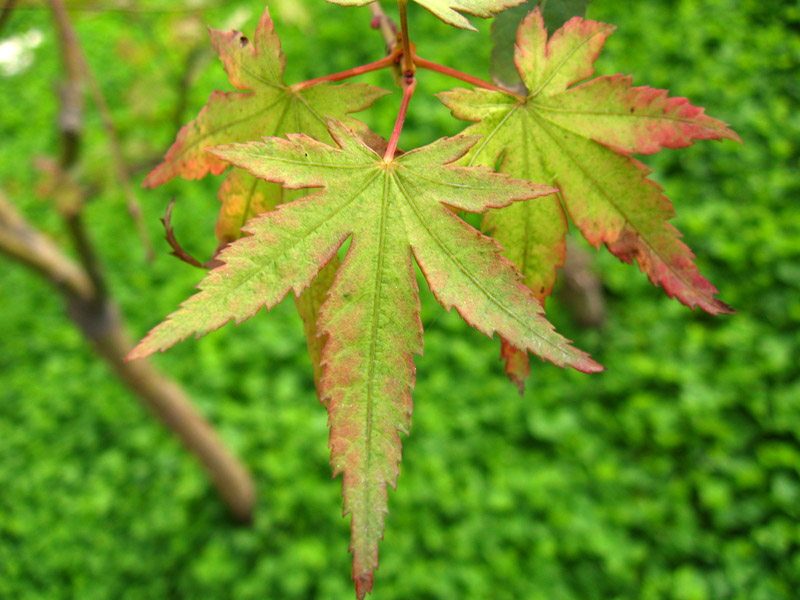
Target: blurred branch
[582,289]
[88,305]
[71,126]
[8,8]
[30,247]
[195,61]
[77,66]
[189,7]
[102,325]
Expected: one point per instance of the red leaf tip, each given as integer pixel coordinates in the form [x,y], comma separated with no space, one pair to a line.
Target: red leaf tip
[363,584]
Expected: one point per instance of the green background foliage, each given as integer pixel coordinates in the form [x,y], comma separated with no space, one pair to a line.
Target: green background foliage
[674,474]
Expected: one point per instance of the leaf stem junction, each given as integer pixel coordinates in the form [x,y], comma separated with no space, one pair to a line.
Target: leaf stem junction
[409,85]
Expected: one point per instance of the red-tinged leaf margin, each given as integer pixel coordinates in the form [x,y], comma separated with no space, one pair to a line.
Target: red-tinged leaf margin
[549,68]
[665,122]
[256,69]
[517,364]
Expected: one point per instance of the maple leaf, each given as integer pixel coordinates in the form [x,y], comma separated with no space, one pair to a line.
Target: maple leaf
[580,139]
[264,104]
[446,10]
[391,210]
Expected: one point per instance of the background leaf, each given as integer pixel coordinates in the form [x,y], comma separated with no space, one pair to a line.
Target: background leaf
[504,34]
[580,139]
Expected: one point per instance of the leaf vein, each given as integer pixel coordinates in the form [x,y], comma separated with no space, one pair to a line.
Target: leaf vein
[227,125]
[461,267]
[299,238]
[488,137]
[564,61]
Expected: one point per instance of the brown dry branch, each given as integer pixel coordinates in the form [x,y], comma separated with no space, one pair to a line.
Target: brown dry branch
[387,27]
[582,289]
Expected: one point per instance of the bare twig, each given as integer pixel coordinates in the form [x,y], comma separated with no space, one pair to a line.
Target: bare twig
[74,54]
[408,67]
[387,27]
[194,62]
[133,10]
[169,234]
[582,290]
[71,125]
[85,249]
[88,305]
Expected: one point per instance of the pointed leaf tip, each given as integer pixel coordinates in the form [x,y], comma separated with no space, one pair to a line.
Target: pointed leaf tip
[363,584]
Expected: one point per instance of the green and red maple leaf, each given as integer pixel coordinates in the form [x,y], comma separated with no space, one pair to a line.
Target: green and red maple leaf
[579,139]
[391,211]
[563,150]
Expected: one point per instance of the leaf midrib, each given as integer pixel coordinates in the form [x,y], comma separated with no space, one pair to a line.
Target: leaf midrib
[376,307]
[240,96]
[566,59]
[488,137]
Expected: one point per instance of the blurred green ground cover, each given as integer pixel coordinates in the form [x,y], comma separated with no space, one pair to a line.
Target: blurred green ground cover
[674,474]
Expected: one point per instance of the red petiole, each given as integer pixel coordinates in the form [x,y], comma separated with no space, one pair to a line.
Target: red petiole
[386,61]
[409,85]
[432,66]
[405,55]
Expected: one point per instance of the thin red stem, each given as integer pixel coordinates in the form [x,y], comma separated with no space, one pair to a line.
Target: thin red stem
[386,61]
[408,90]
[432,66]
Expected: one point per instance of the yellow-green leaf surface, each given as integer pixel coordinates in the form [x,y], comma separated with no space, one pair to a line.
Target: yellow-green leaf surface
[393,212]
[579,139]
[448,10]
[264,105]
